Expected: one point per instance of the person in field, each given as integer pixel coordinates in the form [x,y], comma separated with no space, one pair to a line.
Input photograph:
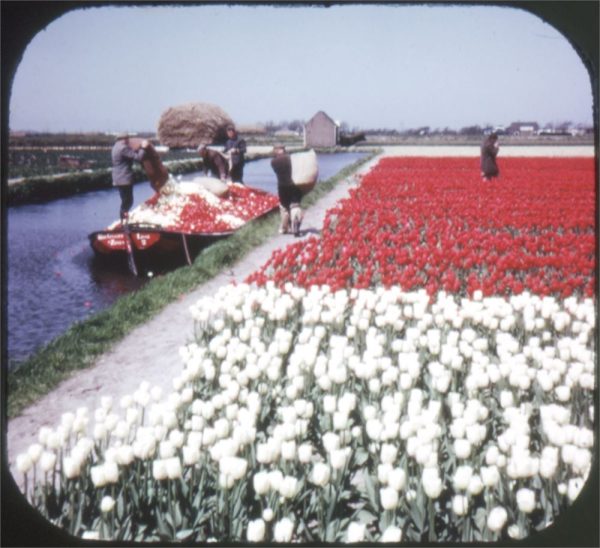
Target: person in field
[235,148]
[489,151]
[214,162]
[290,195]
[123,157]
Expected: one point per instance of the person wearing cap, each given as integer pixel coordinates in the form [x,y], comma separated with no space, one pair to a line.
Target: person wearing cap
[123,156]
[235,147]
[290,194]
[213,161]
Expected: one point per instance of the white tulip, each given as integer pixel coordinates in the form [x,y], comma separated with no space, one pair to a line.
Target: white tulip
[71,467]
[397,479]
[261,483]
[574,487]
[35,451]
[338,458]
[288,450]
[98,476]
[388,453]
[389,498]
[111,471]
[107,504]
[283,530]
[305,453]
[391,534]
[526,500]
[24,463]
[497,518]
[462,448]
[331,441]
[356,532]
[289,487]
[191,455]
[475,485]
[159,470]
[490,475]
[514,531]
[256,530]
[462,477]
[460,505]
[47,461]
[320,474]
[432,484]
[268,514]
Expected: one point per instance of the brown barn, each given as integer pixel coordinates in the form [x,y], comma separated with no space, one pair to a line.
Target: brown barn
[321,131]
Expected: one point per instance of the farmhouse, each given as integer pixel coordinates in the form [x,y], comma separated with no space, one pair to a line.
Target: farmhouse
[321,131]
[523,128]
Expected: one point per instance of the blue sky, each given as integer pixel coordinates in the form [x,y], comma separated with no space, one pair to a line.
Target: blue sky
[118,68]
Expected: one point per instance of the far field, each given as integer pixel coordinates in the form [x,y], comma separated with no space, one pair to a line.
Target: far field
[35,156]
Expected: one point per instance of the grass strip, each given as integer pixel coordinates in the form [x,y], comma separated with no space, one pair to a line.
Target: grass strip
[83,342]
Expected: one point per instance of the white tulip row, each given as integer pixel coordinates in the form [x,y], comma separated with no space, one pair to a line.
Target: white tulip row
[412,382]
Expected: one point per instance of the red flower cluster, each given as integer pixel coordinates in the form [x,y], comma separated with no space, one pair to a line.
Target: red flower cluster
[432,223]
[201,216]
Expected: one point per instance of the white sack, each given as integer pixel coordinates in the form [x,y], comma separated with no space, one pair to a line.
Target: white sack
[305,168]
[215,186]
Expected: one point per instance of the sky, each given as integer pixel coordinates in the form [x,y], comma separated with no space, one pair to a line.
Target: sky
[116,68]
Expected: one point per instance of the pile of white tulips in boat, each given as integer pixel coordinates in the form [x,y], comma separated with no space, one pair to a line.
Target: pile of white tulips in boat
[362,415]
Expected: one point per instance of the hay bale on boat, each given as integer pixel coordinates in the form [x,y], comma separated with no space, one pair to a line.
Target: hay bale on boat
[192,124]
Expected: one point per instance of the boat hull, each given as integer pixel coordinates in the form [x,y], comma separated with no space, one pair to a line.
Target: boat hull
[151,248]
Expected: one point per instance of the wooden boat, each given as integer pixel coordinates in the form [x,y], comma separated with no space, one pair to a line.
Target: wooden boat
[150,246]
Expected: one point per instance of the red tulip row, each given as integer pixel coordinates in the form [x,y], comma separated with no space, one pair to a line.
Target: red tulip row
[432,223]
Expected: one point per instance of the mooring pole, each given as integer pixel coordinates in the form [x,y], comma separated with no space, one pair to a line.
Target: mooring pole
[185,248]
[129,246]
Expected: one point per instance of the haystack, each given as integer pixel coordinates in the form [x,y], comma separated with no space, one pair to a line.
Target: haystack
[192,124]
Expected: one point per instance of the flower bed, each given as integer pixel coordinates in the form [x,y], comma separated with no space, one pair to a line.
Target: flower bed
[431,223]
[366,410]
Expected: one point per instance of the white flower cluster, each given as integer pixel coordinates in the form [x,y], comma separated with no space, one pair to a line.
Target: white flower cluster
[380,338]
[447,398]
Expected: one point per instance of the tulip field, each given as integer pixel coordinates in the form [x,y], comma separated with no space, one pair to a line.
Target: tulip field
[423,370]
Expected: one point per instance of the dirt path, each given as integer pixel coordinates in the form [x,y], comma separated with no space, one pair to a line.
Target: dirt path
[151,352]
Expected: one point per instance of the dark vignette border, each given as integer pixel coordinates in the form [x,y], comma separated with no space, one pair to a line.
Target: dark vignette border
[20,21]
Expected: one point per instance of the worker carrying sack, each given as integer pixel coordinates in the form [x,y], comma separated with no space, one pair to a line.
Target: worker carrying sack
[151,163]
[305,170]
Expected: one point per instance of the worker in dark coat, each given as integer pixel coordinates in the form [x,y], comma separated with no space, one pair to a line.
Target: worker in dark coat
[489,151]
[235,147]
[213,161]
[123,156]
[290,195]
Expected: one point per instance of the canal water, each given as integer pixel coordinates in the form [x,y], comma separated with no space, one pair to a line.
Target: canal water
[53,277]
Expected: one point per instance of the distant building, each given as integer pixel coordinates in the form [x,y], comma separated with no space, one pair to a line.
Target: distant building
[321,131]
[523,128]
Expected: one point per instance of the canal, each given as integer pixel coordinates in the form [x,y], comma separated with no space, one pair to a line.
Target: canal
[53,277]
